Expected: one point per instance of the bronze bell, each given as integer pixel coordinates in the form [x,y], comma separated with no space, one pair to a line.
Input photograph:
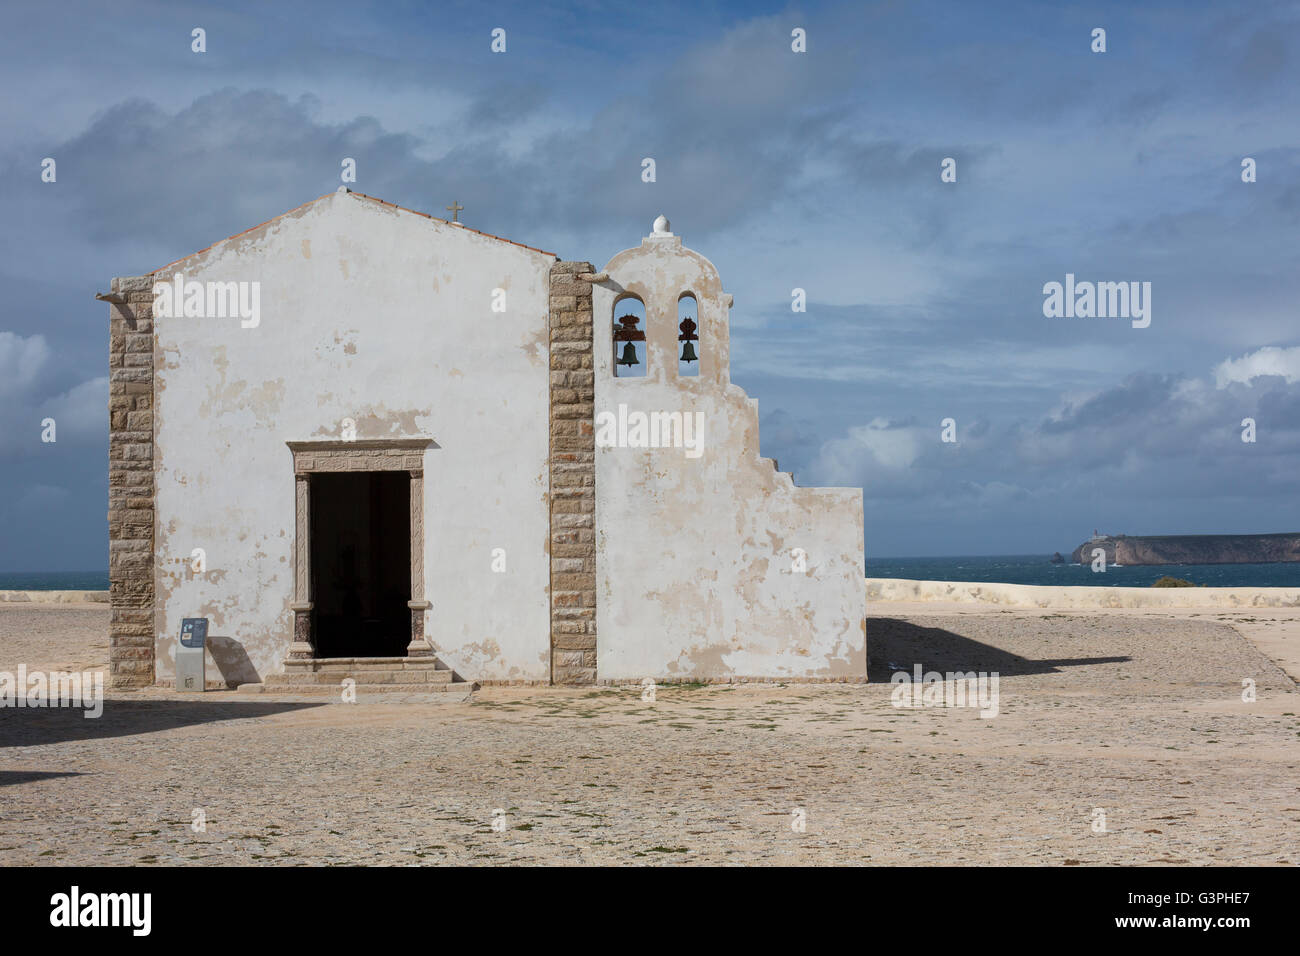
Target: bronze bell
[688,336]
[629,355]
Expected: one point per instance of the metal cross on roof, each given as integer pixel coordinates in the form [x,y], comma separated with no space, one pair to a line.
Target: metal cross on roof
[455,209]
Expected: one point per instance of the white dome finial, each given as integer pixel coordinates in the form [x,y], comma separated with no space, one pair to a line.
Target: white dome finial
[661,226]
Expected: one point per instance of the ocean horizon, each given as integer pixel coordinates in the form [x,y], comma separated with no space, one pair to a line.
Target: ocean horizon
[1038,569]
[53,580]
[984,569]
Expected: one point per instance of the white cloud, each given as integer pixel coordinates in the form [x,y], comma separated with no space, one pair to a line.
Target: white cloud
[877,444]
[1149,437]
[21,360]
[82,409]
[1269,360]
[79,413]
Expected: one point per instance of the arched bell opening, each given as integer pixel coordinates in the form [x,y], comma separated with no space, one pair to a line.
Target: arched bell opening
[688,338]
[631,357]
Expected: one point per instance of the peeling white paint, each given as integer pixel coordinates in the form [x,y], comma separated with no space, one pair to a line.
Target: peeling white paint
[384,317]
[381,340]
[694,556]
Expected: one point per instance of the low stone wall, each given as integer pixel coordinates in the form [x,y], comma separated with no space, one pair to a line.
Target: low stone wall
[55,597]
[1030,595]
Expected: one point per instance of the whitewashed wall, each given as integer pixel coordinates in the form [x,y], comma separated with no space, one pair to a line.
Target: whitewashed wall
[383,316]
[695,559]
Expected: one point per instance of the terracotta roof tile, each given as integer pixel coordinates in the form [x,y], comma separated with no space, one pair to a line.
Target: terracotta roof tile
[382,202]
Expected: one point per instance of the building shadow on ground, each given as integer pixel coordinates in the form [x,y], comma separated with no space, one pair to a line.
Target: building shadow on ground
[894,645]
[9,778]
[35,726]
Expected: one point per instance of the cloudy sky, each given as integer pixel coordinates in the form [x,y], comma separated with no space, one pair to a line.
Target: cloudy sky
[817,170]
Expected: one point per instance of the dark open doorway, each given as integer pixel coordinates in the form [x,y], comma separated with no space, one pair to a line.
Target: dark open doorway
[361,563]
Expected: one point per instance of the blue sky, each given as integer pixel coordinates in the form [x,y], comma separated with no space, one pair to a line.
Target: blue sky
[817,171]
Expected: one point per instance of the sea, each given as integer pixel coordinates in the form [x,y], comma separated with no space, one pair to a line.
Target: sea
[993,569]
[1038,569]
[53,580]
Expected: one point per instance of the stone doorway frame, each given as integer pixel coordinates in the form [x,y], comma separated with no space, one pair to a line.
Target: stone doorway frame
[313,457]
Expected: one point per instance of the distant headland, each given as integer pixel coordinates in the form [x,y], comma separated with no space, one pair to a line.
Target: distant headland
[1126,549]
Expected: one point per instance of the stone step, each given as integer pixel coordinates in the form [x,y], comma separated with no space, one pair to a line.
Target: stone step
[460,690]
[335,665]
[373,676]
[362,677]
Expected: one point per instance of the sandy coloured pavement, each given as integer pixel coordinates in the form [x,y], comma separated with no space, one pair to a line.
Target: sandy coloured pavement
[1138,715]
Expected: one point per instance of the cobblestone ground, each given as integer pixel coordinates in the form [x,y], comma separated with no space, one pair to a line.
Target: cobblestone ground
[1140,718]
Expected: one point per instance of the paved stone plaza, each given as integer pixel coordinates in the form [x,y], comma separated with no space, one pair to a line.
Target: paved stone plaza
[1140,717]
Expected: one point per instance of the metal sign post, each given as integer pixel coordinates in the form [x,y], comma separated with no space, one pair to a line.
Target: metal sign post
[191,655]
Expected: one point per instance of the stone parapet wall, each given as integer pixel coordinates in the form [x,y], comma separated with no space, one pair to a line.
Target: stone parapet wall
[1031,595]
[54,597]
